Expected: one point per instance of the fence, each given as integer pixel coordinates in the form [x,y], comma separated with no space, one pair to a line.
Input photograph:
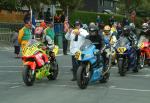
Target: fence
[6,31]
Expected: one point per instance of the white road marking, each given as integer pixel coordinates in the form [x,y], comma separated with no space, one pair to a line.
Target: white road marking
[147,75]
[11,66]
[15,86]
[128,89]
[4,71]
[9,83]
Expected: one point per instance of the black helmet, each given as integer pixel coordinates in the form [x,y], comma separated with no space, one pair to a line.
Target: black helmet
[93,29]
[126,30]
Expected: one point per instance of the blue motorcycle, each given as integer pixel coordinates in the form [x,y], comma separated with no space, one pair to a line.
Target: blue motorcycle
[89,69]
[126,56]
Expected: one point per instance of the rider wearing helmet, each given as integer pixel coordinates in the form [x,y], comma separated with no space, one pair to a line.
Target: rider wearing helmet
[39,31]
[130,35]
[95,38]
[144,36]
[145,31]
[109,40]
[132,27]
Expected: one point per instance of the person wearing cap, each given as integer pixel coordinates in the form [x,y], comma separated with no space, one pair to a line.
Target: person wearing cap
[77,38]
[25,33]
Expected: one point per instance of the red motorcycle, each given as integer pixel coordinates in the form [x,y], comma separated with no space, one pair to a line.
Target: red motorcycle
[37,63]
[145,54]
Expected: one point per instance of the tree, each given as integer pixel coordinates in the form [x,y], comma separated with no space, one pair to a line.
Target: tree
[18,4]
[129,5]
[71,4]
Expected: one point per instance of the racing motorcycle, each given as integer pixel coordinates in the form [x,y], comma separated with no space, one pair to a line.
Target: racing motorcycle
[126,56]
[38,64]
[89,70]
[145,54]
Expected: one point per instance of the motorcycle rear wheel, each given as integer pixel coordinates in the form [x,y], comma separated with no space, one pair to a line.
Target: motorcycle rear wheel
[53,71]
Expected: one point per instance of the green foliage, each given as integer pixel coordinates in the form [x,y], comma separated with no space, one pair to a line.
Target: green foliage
[18,4]
[87,17]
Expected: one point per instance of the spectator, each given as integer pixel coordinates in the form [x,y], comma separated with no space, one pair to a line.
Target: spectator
[48,15]
[65,41]
[15,43]
[99,22]
[41,14]
[62,18]
[111,20]
[125,21]
[57,18]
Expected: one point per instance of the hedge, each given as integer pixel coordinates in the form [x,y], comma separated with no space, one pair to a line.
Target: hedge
[87,17]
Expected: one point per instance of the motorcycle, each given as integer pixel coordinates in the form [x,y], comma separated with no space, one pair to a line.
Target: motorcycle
[144,54]
[38,64]
[126,56]
[89,70]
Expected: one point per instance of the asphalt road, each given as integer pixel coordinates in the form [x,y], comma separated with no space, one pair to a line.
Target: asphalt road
[133,88]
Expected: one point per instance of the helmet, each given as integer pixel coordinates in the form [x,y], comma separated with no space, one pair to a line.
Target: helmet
[107,29]
[132,26]
[145,27]
[43,24]
[93,29]
[126,30]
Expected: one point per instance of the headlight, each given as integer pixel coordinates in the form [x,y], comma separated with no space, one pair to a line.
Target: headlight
[121,50]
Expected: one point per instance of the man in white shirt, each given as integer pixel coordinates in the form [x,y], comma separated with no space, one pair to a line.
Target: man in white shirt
[77,38]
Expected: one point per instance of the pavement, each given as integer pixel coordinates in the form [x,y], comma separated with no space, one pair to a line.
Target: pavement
[133,88]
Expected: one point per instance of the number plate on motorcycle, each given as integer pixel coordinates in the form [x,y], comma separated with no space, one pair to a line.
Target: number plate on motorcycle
[78,55]
[121,50]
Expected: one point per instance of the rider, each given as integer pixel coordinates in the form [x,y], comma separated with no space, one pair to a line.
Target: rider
[145,32]
[25,33]
[39,31]
[127,33]
[144,36]
[109,39]
[95,38]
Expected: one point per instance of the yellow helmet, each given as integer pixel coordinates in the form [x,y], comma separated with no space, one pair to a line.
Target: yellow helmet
[107,29]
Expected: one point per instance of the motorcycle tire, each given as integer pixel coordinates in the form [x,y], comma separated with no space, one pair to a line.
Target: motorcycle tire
[121,68]
[53,71]
[28,77]
[105,78]
[82,80]
[142,61]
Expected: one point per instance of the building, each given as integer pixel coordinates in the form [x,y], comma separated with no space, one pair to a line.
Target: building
[100,5]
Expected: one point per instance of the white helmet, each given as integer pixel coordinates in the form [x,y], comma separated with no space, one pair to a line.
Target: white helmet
[132,25]
[145,27]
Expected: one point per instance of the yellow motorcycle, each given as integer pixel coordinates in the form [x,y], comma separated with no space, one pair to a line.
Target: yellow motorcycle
[38,64]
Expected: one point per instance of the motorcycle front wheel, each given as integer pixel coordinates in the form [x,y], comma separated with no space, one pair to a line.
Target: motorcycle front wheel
[121,67]
[28,76]
[82,79]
